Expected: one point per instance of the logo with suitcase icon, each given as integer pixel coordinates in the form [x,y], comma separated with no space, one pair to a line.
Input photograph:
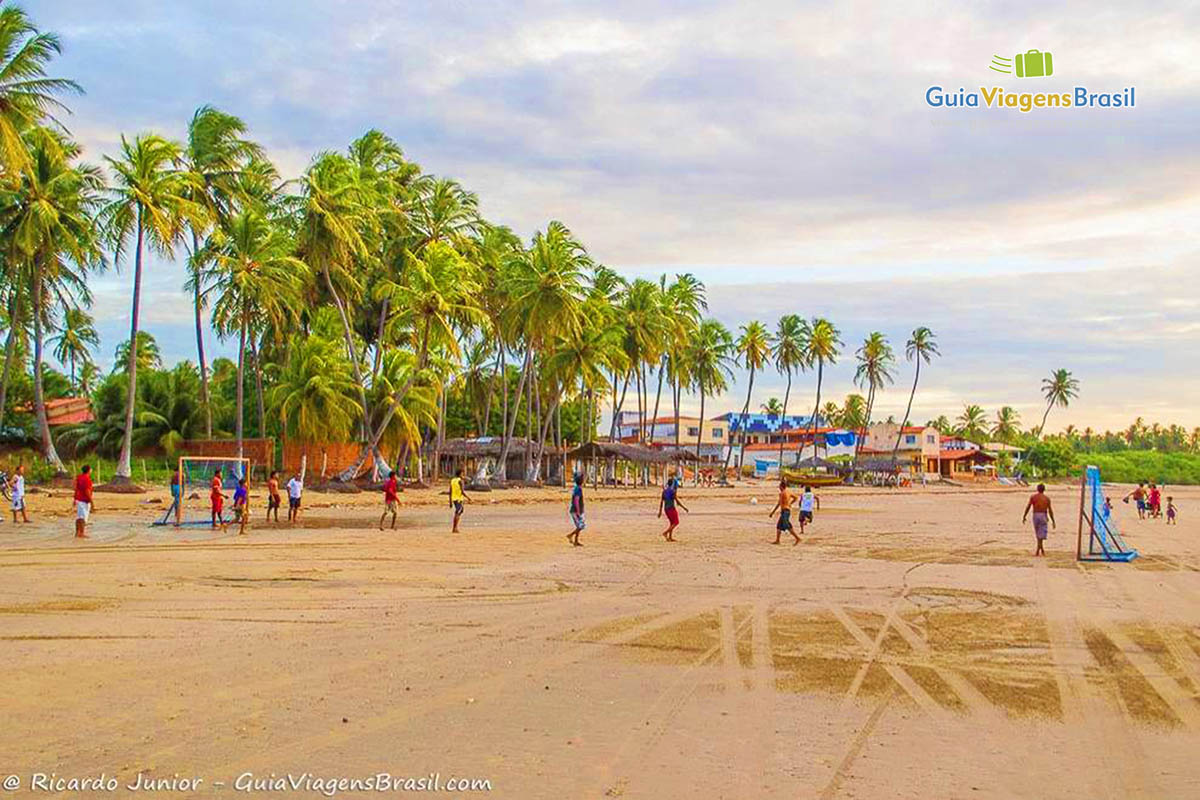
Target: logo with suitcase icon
[1030,64]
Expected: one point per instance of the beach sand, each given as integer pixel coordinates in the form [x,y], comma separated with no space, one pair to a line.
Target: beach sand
[910,647]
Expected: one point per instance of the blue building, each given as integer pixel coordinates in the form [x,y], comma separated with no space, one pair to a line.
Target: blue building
[760,427]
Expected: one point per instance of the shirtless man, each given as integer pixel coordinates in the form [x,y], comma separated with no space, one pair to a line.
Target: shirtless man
[784,505]
[1039,503]
[1139,497]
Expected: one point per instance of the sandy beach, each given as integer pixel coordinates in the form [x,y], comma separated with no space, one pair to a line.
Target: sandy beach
[909,647]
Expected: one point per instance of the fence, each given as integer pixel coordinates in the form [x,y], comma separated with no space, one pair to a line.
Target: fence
[324,458]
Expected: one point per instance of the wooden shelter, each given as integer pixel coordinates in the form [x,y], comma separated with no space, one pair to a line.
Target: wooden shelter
[470,454]
[644,459]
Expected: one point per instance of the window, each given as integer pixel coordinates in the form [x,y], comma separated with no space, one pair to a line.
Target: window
[716,433]
[910,439]
[693,431]
[929,438]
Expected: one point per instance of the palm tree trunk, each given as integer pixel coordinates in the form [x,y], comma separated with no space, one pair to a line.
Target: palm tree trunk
[10,349]
[502,467]
[255,353]
[907,411]
[662,367]
[699,433]
[504,398]
[39,398]
[124,465]
[383,312]
[1042,429]
[858,441]
[816,410]
[618,406]
[239,421]
[676,392]
[487,405]
[783,420]
[352,352]
[741,429]
[200,337]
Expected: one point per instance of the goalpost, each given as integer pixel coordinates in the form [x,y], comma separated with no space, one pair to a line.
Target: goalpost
[195,477]
[1104,540]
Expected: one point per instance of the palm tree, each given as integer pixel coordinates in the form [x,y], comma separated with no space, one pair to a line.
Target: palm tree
[26,94]
[772,408]
[684,302]
[149,357]
[313,394]
[88,374]
[76,339]
[1059,390]
[149,205]
[942,425]
[440,295]
[972,422]
[709,355]
[646,327]
[791,354]
[852,415]
[215,155]
[545,284]
[921,346]
[336,219]
[754,347]
[875,365]
[824,345]
[50,224]
[250,268]
[1007,425]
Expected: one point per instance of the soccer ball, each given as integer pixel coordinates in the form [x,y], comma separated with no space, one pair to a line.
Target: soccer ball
[753,501]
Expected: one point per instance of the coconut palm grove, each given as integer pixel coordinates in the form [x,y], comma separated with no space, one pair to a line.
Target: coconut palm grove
[370,302]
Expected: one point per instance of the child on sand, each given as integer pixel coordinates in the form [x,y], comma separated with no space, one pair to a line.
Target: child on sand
[576,511]
[273,498]
[1171,511]
[391,499]
[295,488]
[177,496]
[457,498]
[83,501]
[1039,503]
[1154,502]
[808,501]
[667,503]
[241,505]
[784,506]
[218,500]
[18,494]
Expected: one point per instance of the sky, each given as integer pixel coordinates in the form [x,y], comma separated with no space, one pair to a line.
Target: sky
[783,152]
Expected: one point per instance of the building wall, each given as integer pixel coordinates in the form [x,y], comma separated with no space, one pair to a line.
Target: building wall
[715,431]
[261,452]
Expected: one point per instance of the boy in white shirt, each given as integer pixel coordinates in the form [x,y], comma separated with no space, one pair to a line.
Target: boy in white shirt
[18,493]
[295,487]
[807,501]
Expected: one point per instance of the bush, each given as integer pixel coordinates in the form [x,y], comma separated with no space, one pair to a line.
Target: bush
[1052,457]
[1132,466]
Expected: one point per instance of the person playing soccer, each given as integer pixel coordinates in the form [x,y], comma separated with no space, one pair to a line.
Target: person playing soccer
[784,506]
[576,511]
[1139,497]
[1039,503]
[457,498]
[241,505]
[391,499]
[667,503]
[18,494]
[808,501]
[1171,512]
[177,495]
[295,488]
[273,499]
[218,500]
[83,501]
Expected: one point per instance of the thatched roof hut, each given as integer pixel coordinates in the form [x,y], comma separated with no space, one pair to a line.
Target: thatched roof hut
[489,447]
[635,453]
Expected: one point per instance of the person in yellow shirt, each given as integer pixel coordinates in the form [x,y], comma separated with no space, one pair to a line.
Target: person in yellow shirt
[457,498]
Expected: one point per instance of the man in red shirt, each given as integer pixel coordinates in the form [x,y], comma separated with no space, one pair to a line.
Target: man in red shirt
[218,500]
[83,501]
[391,499]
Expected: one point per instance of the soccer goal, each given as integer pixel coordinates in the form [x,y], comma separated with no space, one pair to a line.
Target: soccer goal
[196,474]
[1104,540]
